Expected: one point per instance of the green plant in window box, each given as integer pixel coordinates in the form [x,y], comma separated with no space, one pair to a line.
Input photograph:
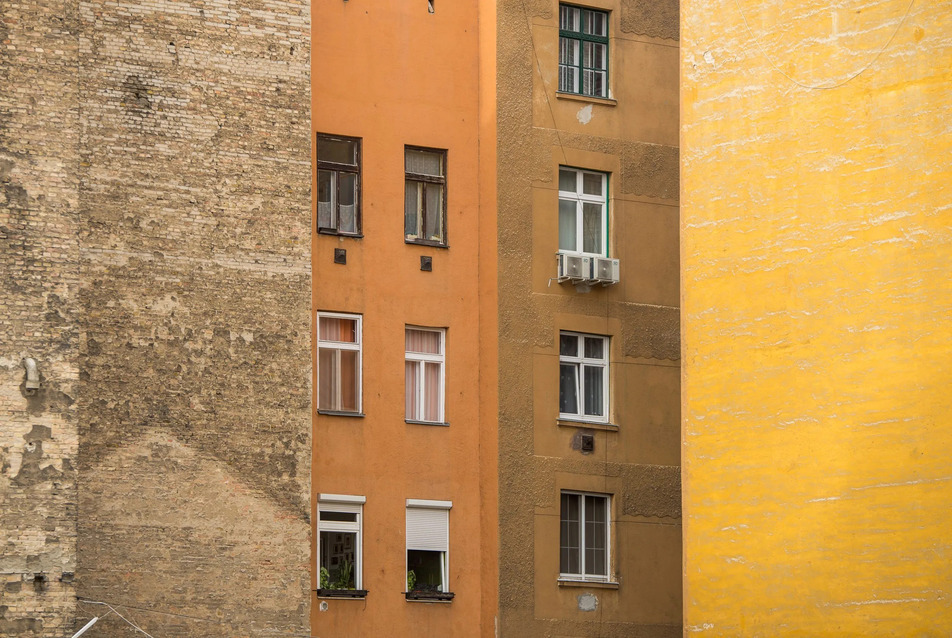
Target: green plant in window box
[325,578]
[345,576]
[411,580]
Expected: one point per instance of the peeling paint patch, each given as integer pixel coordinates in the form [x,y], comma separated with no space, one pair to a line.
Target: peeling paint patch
[584,115]
[587,602]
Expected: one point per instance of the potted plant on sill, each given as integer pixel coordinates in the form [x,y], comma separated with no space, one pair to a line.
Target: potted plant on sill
[342,586]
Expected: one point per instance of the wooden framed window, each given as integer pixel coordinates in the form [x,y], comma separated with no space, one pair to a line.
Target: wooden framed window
[338,185]
[425,199]
[583,51]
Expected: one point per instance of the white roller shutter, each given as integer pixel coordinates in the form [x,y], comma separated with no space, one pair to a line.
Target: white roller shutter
[428,528]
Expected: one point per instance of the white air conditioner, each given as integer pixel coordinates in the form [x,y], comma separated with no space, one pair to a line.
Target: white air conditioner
[574,267]
[605,270]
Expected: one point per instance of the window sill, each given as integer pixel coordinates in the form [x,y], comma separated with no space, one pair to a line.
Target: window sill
[436,423]
[592,425]
[429,596]
[358,415]
[328,231]
[578,97]
[342,593]
[592,584]
[423,242]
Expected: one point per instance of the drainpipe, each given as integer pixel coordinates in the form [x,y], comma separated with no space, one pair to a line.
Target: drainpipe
[32,376]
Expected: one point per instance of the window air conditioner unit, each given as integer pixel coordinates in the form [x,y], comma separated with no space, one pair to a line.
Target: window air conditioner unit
[606,270]
[574,267]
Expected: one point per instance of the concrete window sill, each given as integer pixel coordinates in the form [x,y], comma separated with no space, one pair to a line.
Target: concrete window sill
[590,584]
[607,101]
[588,425]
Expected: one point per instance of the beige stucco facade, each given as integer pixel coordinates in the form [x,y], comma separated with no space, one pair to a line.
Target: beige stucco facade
[631,136]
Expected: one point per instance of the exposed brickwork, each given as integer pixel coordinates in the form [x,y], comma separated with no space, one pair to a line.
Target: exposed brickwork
[154,220]
[39,269]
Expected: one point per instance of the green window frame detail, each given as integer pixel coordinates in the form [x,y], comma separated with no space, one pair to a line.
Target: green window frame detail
[583,51]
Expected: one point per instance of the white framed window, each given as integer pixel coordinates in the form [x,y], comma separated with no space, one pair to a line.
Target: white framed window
[425,373]
[585,536]
[338,362]
[583,212]
[583,51]
[583,376]
[428,544]
[339,545]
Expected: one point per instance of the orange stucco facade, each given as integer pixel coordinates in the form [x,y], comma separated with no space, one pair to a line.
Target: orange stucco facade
[396,78]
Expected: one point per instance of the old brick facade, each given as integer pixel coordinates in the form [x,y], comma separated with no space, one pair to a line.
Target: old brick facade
[154,261]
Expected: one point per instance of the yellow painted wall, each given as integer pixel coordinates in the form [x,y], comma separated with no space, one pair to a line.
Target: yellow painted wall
[816,143]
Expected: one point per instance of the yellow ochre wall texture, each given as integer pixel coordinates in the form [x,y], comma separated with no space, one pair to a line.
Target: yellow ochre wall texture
[816,141]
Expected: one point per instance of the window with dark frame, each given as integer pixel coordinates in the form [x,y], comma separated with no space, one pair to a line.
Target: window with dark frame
[338,185]
[425,199]
[584,537]
[583,51]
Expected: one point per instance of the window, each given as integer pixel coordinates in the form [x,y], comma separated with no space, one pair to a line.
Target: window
[583,376]
[425,201]
[338,368]
[583,537]
[583,51]
[428,540]
[338,185]
[583,206]
[339,545]
[424,370]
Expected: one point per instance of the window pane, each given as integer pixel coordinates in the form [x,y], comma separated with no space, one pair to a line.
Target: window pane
[428,567]
[413,390]
[568,51]
[350,517]
[425,341]
[349,381]
[568,345]
[569,18]
[592,228]
[598,56]
[592,183]
[596,536]
[337,151]
[568,225]
[433,220]
[339,558]
[594,387]
[348,202]
[567,180]
[329,383]
[431,391]
[568,79]
[424,162]
[338,329]
[598,83]
[594,348]
[411,210]
[569,535]
[596,23]
[326,195]
[568,388]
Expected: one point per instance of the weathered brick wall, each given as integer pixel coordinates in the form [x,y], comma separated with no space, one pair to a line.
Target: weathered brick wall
[195,391]
[154,170]
[39,270]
